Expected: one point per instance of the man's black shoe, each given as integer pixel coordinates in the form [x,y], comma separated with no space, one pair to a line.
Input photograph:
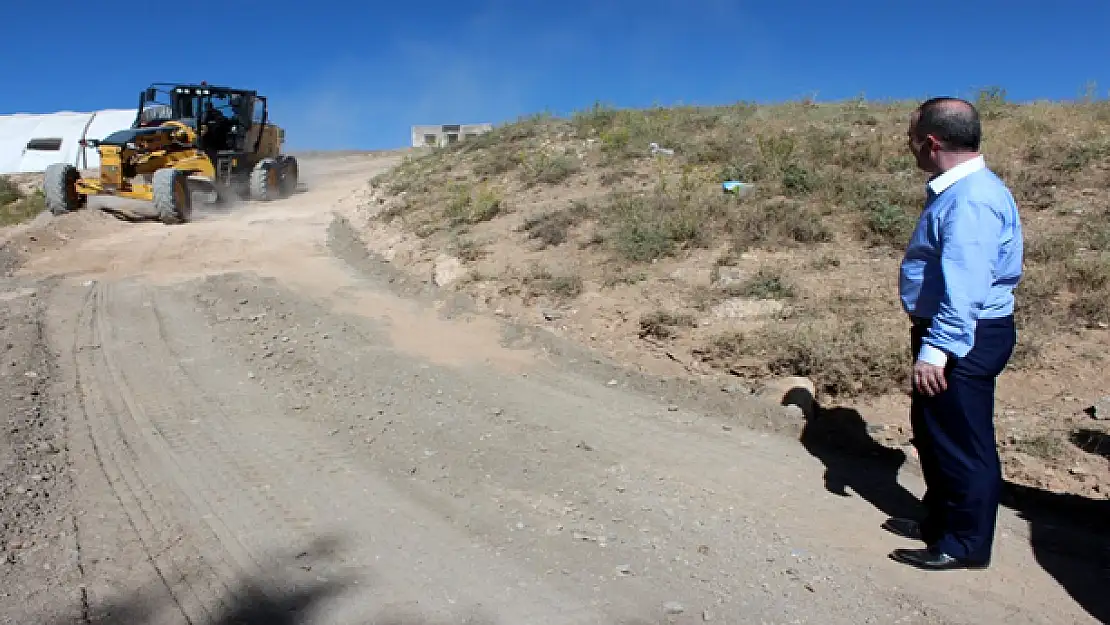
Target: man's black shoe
[906,528]
[933,560]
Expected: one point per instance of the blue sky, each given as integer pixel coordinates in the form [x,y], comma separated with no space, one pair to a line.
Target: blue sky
[357,74]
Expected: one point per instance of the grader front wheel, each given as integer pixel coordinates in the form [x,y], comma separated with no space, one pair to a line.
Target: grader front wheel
[172,199]
[60,188]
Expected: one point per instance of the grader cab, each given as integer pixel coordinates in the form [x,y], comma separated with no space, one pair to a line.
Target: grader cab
[185,138]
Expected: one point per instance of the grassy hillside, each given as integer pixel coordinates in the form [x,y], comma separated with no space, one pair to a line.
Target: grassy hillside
[798,274]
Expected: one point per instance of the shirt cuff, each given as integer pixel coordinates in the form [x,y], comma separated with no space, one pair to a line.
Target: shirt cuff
[932,356]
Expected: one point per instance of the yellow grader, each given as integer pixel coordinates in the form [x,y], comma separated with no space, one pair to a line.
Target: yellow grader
[185,138]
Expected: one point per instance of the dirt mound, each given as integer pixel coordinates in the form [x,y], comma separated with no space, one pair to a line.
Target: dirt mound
[47,234]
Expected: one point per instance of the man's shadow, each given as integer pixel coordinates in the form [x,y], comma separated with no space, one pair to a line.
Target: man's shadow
[1069,534]
[838,437]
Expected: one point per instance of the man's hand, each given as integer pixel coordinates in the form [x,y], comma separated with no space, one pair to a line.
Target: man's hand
[929,379]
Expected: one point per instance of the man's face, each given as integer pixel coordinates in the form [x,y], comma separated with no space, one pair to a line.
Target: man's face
[920,147]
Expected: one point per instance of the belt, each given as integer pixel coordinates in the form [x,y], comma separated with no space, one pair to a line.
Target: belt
[924,322]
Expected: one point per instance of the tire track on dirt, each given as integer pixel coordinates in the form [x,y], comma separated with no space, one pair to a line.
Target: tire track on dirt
[123,457]
[383,515]
[170,476]
[237,475]
[200,461]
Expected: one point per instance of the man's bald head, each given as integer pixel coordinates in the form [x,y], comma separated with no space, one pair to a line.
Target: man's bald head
[952,121]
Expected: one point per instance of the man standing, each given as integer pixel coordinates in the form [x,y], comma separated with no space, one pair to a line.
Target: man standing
[957,281]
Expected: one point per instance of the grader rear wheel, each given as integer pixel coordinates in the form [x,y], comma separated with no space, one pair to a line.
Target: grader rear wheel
[266,180]
[290,173]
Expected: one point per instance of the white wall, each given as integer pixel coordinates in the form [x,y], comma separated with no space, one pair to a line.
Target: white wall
[440,132]
[71,127]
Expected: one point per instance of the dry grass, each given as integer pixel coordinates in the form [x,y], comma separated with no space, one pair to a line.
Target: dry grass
[767,283]
[560,288]
[9,191]
[471,206]
[547,168]
[845,359]
[553,228]
[1046,446]
[835,198]
[664,324]
[16,206]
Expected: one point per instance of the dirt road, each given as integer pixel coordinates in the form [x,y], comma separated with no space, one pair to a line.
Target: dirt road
[246,420]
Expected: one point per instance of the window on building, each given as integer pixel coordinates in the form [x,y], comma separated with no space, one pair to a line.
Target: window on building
[451,128]
[452,137]
[48,144]
[429,139]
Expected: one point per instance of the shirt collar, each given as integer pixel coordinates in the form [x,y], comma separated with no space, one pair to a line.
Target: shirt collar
[941,182]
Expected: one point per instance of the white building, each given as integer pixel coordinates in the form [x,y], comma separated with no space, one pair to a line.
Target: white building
[444,134]
[30,142]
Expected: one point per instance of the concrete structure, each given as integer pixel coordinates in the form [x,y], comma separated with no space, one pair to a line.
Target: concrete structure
[31,142]
[444,134]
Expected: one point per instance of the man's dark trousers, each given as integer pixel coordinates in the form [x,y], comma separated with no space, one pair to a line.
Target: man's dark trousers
[954,436]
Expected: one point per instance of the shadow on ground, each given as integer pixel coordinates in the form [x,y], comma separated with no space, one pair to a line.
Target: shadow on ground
[1069,534]
[838,437]
[297,587]
[1092,441]
[1070,540]
[294,589]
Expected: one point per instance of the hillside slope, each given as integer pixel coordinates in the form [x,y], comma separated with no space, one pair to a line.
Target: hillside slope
[582,226]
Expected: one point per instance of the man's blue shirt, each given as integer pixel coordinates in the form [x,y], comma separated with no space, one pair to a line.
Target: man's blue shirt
[964,259]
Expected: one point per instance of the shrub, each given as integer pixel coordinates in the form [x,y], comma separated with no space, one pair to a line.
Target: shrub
[553,228]
[1035,296]
[1051,248]
[1088,274]
[1044,446]
[887,223]
[1092,307]
[467,249]
[561,287]
[663,324]
[843,358]
[1078,157]
[15,206]
[497,160]
[549,169]
[773,223]
[9,191]
[767,283]
[470,207]
[797,180]
[1097,234]
[645,227]
[1089,279]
